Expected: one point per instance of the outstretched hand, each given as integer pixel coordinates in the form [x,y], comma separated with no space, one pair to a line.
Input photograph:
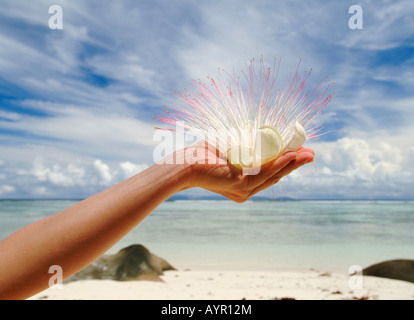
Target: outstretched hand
[210,170]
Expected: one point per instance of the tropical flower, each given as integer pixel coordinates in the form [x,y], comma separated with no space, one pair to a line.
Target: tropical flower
[248,118]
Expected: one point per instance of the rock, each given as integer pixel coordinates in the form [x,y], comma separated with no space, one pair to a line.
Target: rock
[361,298]
[392,269]
[336,292]
[131,263]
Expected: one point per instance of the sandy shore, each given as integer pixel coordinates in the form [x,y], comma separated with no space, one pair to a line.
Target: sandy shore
[226,285]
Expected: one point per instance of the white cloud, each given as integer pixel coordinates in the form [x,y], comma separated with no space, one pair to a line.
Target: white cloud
[56,177]
[130,68]
[9,115]
[5,188]
[39,170]
[230,36]
[129,169]
[71,175]
[40,191]
[87,133]
[354,168]
[356,155]
[103,170]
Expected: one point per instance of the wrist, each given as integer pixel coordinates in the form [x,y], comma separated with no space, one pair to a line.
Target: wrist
[177,170]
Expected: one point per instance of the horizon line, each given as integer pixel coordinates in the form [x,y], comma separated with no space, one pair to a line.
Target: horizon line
[215,199]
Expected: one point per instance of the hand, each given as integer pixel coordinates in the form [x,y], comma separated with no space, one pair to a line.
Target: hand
[216,174]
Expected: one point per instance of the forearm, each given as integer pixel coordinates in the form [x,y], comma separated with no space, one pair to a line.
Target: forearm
[80,234]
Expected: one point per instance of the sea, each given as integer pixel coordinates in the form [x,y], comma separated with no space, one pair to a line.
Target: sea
[256,235]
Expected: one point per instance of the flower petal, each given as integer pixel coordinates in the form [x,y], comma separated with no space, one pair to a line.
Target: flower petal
[268,144]
[241,156]
[298,138]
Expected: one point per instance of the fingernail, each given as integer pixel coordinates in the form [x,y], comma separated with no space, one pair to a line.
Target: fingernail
[290,155]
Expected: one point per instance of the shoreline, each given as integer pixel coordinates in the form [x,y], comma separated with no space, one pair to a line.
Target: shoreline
[236,285]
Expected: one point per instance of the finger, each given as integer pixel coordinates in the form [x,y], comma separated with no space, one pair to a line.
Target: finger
[303,149]
[270,182]
[307,150]
[269,169]
[303,158]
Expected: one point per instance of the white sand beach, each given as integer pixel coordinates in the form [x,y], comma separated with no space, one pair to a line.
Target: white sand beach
[236,285]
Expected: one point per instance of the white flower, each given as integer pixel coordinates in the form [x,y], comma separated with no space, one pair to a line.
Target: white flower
[247,118]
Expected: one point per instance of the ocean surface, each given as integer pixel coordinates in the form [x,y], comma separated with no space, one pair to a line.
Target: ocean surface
[300,235]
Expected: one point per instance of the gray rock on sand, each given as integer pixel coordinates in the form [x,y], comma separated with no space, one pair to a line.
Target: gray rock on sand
[393,269]
[131,263]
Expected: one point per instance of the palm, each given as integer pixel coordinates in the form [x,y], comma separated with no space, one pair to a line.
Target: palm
[214,173]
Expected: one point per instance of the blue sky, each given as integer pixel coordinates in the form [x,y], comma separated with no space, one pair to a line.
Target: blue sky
[76,104]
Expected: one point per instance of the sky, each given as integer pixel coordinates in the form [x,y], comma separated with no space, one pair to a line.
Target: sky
[76,104]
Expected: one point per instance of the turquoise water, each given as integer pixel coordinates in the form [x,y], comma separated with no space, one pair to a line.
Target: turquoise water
[331,235]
